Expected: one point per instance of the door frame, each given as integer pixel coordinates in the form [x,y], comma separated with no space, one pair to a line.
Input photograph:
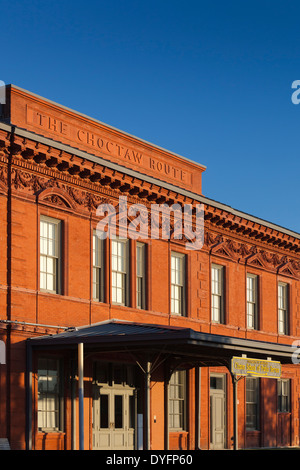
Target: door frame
[113,389]
[215,392]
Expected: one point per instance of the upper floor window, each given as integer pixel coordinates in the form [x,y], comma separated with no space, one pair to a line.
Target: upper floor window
[50,254]
[283,308]
[217,293]
[252,301]
[141,275]
[98,268]
[178,283]
[120,271]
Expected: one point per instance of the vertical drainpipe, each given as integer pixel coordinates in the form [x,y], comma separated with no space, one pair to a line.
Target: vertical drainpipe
[28,397]
[198,374]
[9,283]
[166,407]
[80,396]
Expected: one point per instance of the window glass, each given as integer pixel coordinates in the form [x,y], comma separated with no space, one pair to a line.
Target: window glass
[140,275]
[177,283]
[98,268]
[217,300]
[49,395]
[49,254]
[119,262]
[177,400]
[283,387]
[252,306]
[252,403]
[283,308]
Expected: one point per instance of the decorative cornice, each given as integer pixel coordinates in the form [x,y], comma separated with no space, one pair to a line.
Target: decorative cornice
[36,167]
[253,232]
[251,255]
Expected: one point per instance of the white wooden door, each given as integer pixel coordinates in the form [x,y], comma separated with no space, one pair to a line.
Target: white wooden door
[113,419]
[217,412]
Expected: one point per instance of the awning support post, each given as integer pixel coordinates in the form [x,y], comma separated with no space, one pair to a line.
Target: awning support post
[198,404]
[235,415]
[166,407]
[235,381]
[80,396]
[147,403]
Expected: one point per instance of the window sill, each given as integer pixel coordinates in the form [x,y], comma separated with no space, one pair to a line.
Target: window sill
[50,431]
[177,431]
[44,291]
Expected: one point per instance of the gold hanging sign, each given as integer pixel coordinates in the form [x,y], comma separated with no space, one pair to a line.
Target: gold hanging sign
[255,367]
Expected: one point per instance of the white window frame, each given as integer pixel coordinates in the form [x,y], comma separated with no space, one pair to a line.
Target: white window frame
[217,293]
[252,301]
[252,404]
[177,401]
[50,255]
[98,268]
[49,400]
[141,275]
[283,308]
[178,283]
[284,395]
[120,271]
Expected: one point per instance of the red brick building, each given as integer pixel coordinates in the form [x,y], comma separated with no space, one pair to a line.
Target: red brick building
[128,343]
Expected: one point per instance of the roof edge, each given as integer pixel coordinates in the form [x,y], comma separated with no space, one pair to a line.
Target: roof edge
[97,121]
[197,197]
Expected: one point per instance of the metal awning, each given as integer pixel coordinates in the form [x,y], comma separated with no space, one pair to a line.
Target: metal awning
[118,335]
[178,345]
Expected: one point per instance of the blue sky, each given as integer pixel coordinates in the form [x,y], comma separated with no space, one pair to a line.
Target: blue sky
[209,80]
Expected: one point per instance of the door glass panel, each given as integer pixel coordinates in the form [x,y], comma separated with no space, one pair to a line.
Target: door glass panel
[216,383]
[118,375]
[102,374]
[104,411]
[131,411]
[118,411]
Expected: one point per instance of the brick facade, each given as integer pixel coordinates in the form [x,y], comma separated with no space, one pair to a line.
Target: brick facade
[57,163]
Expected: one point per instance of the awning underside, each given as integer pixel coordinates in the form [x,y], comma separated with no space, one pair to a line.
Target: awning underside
[185,344]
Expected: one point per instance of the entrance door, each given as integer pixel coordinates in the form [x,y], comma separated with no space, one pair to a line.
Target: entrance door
[217,411]
[113,416]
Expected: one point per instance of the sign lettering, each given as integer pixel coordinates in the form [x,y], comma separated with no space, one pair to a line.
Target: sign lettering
[95,141]
[255,367]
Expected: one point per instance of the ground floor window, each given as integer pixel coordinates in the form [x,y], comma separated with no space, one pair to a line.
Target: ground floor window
[252,403]
[283,388]
[177,400]
[49,395]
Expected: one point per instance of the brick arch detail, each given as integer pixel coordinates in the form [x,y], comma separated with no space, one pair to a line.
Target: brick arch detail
[49,195]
